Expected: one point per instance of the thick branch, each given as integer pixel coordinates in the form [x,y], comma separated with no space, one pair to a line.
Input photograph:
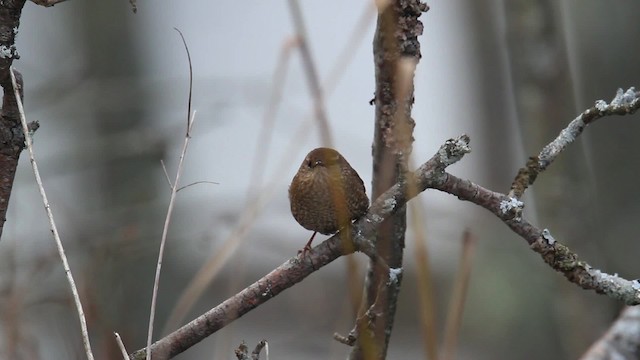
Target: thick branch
[396,52]
[11,135]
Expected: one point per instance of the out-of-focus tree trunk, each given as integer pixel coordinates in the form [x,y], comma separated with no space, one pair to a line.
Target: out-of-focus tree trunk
[542,85]
[122,249]
[11,134]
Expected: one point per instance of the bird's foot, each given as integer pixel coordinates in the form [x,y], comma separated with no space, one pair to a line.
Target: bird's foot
[305,250]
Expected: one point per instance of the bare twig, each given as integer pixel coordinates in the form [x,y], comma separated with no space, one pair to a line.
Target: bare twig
[174,191]
[165,231]
[123,350]
[186,49]
[52,223]
[624,103]
[197,183]
[166,173]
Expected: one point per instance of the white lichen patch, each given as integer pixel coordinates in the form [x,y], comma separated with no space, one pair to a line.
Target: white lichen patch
[507,206]
[394,273]
[6,52]
[601,105]
[376,219]
[389,204]
[546,235]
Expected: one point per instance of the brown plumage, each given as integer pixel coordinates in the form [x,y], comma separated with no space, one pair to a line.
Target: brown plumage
[326,193]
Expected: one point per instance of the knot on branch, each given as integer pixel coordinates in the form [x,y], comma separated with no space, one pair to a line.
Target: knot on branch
[9,52]
[511,209]
[525,177]
[453,150]
[625,102]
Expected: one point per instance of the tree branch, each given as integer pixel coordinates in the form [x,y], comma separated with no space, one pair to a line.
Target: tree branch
[431,174]
[623,103]
[622,341]
[11,135]
[296,269]
[509,209]
[396,52]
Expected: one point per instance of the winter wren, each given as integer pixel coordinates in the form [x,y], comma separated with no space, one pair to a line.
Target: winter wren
[326,193]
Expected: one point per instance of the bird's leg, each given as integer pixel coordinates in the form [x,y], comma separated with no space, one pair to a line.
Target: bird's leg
[308,246]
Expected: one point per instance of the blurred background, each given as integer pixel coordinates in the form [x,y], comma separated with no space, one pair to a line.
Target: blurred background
[110,90]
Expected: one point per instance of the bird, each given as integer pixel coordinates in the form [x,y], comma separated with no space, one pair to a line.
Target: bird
[326,194]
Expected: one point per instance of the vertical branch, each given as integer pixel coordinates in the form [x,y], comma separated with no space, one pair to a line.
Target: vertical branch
[172,198]
[52,224]
[396,52]
[11,135]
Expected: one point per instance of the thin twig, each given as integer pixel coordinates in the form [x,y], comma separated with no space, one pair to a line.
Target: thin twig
[174,191]
[123,350]
[624,103]
[166,174]
[186,48]
[52,223]
[165,231]
[196,183]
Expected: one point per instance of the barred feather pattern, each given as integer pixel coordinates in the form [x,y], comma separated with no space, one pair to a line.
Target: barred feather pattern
[326,193]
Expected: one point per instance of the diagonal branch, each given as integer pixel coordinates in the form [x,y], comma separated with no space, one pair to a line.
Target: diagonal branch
[623,103]
[558,256]
[431,174]
[621,341]
[296,269]
[52,224]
